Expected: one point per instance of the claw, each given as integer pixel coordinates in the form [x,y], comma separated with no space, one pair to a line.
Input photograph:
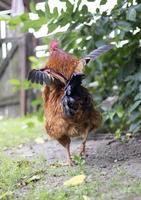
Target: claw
[71,163]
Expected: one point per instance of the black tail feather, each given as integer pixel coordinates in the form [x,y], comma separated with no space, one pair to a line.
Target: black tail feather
[71,95]
[98,52]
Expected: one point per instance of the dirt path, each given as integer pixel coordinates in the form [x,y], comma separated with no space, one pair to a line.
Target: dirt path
[115,163]
[101,152]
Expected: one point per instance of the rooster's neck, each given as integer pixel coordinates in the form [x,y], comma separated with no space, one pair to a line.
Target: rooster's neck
[62,63]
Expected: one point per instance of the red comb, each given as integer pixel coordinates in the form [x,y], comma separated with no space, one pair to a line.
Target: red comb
[54,45]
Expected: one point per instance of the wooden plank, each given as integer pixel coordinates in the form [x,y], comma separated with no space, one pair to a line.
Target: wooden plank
[31,43]
[6,40]
[10,100]
[6,61]
[6,4]
[26,49]
[3,6]
[22,58]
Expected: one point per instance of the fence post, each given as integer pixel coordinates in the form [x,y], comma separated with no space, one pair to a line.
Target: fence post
[26,48]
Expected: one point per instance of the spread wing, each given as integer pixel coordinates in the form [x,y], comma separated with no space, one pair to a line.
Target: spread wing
[46,76]
[97,52]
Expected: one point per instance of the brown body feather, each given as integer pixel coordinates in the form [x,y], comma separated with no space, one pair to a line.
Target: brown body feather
[57,124]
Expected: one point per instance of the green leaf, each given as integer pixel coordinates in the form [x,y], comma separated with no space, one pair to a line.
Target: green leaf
[118,134]
[131,14]
[85,9]
[33,59]
[24,17]
[120,112]
[5,17]
[69,5]
[76,180]
[47,11]
[78,3]
[138,7]
[97,10]
[36,63]
[134,106]
[102,2]
[125,26]
[37,102]
[15,20]
[134,117]
[51,27]
[41,13]
[78,160]
[135,127]
[15,82]
[55,13]
[26,84]
[138,97]
[32,6]
[30,124]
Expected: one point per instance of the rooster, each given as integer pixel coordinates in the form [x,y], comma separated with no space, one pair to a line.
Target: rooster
[69,108]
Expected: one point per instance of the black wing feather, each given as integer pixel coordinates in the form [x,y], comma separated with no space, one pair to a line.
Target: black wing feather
[46,79]
[37,76]
[31,75]
[73,95]
[46,76]
[41,78]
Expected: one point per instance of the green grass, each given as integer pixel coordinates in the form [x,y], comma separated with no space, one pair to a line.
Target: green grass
[20,130]
[18,173]
[41,181]
[35,179]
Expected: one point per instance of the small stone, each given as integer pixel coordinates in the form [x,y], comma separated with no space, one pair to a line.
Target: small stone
[104,173]
[103,166]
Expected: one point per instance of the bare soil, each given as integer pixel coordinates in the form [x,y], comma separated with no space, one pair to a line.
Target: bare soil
[101,150]
[104,156]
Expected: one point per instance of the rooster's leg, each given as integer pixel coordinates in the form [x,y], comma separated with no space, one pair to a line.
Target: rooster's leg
[82,147]
[65,141]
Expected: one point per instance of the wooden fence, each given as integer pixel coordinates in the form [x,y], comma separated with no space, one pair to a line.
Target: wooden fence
[15,65]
